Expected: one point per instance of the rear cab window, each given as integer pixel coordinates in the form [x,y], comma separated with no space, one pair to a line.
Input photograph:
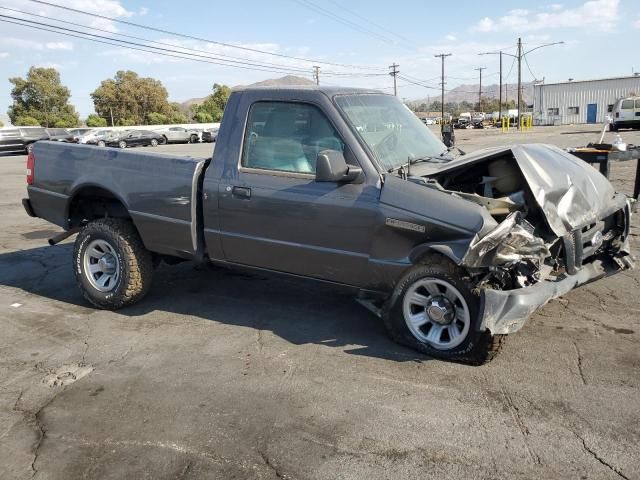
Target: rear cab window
[287,137]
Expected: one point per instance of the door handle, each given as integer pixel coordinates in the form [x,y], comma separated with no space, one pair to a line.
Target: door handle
[241,192]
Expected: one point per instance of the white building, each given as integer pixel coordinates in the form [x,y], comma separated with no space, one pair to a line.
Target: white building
[587,101]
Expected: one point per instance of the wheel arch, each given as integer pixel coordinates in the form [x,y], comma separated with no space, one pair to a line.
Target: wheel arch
[453,250]
[91,201]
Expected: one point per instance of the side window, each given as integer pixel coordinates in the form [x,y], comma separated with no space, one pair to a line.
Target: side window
[287,137]
[573,110]
[637,103]
[627,105]
[610,108]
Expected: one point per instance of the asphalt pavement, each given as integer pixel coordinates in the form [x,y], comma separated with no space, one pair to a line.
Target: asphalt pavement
[220,374]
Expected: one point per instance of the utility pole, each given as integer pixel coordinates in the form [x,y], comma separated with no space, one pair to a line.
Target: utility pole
[480,90]
[393,73]
[316,74]
[519,78]
[442,56]
[500,94]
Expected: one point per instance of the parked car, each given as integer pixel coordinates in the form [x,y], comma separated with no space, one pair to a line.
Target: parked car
[60,135]
[79,132]
[209,135]
[93,135]
[21,139]
[307,182]
[626,114]
[134,138]
[180,135]
[100,137]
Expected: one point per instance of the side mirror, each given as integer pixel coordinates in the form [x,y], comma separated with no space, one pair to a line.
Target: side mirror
[332,167]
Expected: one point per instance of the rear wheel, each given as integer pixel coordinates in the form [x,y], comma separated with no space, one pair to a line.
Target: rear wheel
[193,139]
[112,267]
[154,142]
[434,310]
[101,143]
[122,144]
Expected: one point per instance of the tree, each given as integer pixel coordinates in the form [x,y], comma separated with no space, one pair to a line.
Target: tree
[26,121]
[213,105]
[94,120]
[43,98]
[155,118]
[130,98]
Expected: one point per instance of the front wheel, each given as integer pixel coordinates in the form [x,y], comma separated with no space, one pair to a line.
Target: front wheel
[154,142]
[101,143]
[112,267]
[122,144]
[434,310]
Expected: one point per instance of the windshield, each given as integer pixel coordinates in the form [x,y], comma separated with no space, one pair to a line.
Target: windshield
[392,131]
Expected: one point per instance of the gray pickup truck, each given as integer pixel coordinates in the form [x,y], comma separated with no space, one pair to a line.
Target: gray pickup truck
[345,186]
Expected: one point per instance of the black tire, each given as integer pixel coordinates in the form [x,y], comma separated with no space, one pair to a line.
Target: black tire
[28,148]
[477,347]
[613,127]
[164,140]
[193,139]
[135,265]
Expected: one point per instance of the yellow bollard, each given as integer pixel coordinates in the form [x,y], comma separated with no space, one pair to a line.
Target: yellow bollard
[505,124]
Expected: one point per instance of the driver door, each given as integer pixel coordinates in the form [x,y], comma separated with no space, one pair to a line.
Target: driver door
[276,216]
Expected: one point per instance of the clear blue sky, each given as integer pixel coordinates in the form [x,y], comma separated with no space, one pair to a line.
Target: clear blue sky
[597,36]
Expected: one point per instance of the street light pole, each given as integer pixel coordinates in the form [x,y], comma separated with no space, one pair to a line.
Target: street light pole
[519,56]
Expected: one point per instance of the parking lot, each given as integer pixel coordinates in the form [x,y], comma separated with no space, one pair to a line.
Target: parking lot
[220,374]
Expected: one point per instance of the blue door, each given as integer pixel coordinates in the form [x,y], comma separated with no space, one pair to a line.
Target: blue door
[592,112]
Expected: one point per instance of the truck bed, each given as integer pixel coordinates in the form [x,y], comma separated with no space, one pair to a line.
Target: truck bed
[158,190]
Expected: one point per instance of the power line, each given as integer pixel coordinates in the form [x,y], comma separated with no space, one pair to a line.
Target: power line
[355,14]
[146,48]
[344,21]
[165,51]
[191,37]
[528,67]
[209,54]
[139,49]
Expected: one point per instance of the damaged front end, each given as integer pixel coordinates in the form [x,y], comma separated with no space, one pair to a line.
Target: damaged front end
[559,225]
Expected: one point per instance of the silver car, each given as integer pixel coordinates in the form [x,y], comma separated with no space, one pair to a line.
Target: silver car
[180,135]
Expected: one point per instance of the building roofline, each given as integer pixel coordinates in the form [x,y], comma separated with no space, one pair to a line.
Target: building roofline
[628,77]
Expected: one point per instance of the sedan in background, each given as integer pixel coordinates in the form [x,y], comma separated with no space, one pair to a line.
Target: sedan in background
[134,138]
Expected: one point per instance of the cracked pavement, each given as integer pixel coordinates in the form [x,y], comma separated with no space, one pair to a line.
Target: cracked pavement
[219,374]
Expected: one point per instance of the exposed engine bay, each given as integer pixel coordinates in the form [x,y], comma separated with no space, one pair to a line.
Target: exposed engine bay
[553,213]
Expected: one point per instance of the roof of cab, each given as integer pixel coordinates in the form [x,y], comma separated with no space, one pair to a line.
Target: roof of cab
[329,91]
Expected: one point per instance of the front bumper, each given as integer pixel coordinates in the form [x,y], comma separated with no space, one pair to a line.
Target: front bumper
[504,312]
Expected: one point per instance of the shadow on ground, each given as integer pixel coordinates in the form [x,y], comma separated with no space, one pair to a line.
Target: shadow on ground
[298,311]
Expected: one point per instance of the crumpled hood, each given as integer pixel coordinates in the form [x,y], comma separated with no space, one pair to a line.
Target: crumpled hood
[569,191]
